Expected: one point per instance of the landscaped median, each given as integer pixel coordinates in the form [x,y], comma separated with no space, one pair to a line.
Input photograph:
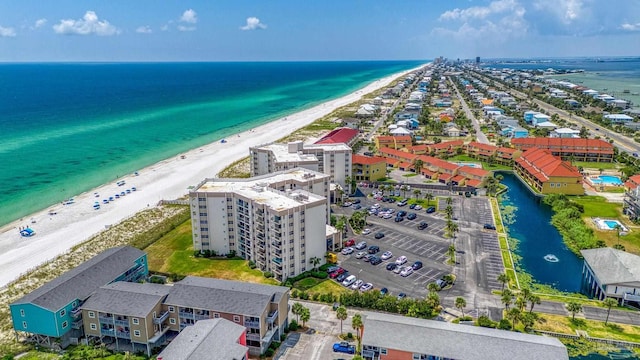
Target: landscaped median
[507,259]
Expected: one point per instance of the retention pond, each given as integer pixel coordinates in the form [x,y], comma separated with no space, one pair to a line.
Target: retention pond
[543,253]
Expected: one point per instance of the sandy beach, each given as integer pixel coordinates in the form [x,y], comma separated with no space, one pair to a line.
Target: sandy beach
[168,179]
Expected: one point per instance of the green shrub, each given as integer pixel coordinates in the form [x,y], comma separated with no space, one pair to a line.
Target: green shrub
[295,293]
[252,265]
[269,352]
[349,335]
[268,274]
[293,325]
[484,321]
[504,324]
[325,267]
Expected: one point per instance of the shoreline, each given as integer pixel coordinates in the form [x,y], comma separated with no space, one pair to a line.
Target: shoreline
[166,179]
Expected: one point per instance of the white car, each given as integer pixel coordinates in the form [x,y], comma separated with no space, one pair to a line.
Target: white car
[406,271]
[387,216]
[349,280]
[381,214]
[401,260]
[356,285]
[347,204]
[387,255]
[360,255]
[398,269]
[418,207]
[375,206]
[366,231]
[366,287]
[347,251]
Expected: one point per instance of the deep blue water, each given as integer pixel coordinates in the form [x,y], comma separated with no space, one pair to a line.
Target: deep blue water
[538,238]
[615,67]
[67,128]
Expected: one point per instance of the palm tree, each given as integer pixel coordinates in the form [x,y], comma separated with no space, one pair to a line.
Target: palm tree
[574,307]
[448,211]
[429,197]
[404,189]
[514,315]
[417,193]
[504,279]
[358,326]
[347,182]
[449,200]
[305,315]
[452,228]
[296,310]
[521,302]
[534,299]
[314,262]
[451,253]
[460,304]
[417,165]
[433,300]
[341,314]
[507,298]
[618,228]
[433,287]
[609,303]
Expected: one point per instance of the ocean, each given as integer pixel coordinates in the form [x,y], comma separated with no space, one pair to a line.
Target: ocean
[70,127]
[612,75]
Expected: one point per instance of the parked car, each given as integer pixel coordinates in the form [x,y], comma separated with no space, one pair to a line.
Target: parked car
[387,255]
[349,280]
[384,291]
[412,206]
[402,213]
[350,242]
[397,269]
[356,201]
[423,225]
[344,347]
[361,245]
[402,203]
[360,254]
[374,260]
[398,219]
[347,251]
[417,265]
[418,207]
[387,216]
[379,235]
[347,204]
[402,296]
[333,268]
[431,209]
[411,216]
[367,257]
[407,271]
[401,260]
[356,285]
[336,273]
[391,266]
[366,287]
[366,231]
[373,249]
[356,206]
[489,227]
[342,276]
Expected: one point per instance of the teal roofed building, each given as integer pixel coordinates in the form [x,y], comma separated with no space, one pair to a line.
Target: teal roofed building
[51,314]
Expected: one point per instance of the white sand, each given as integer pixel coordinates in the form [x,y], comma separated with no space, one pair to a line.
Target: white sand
[168,179]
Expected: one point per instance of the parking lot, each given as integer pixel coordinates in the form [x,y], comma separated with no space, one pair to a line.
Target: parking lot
[478,258]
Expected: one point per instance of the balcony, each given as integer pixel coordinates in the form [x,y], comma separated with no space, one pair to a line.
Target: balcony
[202,316]
[76,324]
[160,319]
[273,316]
[75,313]
[186,315]
[112,321]
[113,333]
[252,324]
[184,325]
[277,260]
[253,337]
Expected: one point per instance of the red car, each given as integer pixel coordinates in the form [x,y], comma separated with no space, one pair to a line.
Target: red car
[350,242]
[336,273]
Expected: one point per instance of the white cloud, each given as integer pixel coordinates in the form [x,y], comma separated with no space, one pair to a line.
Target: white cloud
[89,24]
[186,28]
[189,16]
[480,12]
[165,27]
[7,32]
[40,23]
[567,11]
[144,30]
[630,27]
[253,23]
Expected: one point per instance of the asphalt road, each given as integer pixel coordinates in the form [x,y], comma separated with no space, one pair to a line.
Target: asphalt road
[481,137]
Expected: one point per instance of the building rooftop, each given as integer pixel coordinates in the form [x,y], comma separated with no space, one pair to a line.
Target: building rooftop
[564,143]
[82,281]
[456,341]
[543,165]
[366,160]
[612,266]
[224,295]
[205,338]
[282,154]
[340,135]
[125,298]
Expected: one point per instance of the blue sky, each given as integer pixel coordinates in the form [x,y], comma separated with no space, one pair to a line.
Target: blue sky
[260,30]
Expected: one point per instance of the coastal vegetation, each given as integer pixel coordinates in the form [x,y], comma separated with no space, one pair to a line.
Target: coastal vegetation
[567,219]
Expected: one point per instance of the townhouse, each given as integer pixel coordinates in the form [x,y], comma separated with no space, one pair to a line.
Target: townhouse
[368,168]
[279,221]
[589,150]
[51,314]
[393,142]
[548,174]
[490,153]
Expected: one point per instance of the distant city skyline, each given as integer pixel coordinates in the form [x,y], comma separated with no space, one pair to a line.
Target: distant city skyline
[291,30]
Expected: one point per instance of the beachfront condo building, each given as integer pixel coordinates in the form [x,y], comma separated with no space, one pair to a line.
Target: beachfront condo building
[569,149]
[611,273]
[51,314]
[393,337]
[279,221]
[548,174]
[333,159]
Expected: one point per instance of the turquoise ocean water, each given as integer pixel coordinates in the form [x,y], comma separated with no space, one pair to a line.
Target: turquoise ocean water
[67,128]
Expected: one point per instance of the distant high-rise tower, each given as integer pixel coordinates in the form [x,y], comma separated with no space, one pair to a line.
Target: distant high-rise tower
[477,60]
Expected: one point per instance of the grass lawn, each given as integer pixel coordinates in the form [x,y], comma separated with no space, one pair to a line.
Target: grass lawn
[39,355]
[174,254]
[564,324]
[328,287]
[597,206]
[410,175]
[485,165]
[307,283]
[595,165]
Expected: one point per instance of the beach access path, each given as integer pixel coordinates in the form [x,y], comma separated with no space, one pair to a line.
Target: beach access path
[169,179]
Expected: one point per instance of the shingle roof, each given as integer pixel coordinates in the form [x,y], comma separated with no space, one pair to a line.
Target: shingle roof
[366,160]
[585,145]
[80,282]
[340,135]
[456,341]
[124,298]
[224,295]
[612,266]
[204,339]
[541,164]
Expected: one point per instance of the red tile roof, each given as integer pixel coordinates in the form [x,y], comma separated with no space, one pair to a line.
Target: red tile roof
[385,151]
[473,171]
[367,160]
[481,146]
[427,172]
[541,164]
[444,177]
[419,148]
[400,139]
[405,165]
[392,162]
[339,135]
[458,178]
[564,144]
[633,182]
[473,182]
[447,144]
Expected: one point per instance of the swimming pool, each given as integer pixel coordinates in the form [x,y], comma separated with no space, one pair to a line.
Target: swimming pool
[607,180]
[608,224]
[470,164]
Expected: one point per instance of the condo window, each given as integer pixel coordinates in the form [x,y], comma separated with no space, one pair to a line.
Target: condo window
[236,318]
[24,324]
[172,321]
[383,351]
[63,312]
[92,314]
[172,309]
[22,312]
[93,326]
[216,315]
[135,321]
[136,333]
[65,324]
